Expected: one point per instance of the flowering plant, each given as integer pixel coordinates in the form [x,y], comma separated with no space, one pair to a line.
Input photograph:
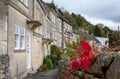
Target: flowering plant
[85,57]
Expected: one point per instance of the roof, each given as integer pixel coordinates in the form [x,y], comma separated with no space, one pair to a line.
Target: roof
[47,9]
[102,40]
[85,35]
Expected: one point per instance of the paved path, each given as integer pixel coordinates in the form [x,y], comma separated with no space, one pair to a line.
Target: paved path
[51,74]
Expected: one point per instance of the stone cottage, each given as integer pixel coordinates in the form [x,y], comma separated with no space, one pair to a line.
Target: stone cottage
[27,29]
[21,35]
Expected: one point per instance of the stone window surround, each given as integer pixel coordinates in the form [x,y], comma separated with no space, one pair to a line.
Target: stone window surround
[19,38]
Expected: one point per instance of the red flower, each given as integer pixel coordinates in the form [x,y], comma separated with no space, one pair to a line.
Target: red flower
[85,58]
[85,46]
[75,63]
[66,78]
[85,63]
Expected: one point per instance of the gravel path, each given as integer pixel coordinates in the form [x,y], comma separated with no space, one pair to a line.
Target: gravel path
[51,74]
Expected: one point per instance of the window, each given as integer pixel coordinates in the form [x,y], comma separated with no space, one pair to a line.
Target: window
[46,29]
[60,26]
[25,2]
[53,18]
[53,34]
[17,37]
[22,38]
[60,42]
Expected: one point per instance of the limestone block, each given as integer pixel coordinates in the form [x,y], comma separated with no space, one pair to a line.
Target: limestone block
[89,76]
[114,70]
[102,63]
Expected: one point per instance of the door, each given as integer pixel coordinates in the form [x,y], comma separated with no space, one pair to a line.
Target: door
[28,50]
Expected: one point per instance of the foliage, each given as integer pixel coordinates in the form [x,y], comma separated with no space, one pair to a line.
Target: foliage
[48,62]
[78,21]
[42,68]
[56,55]
[56,51]
[54,59]
[97,31]
[52,5]
[114,39]
[84,58]
[70,49]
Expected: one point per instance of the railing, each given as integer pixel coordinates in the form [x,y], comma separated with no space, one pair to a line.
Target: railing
[4,67]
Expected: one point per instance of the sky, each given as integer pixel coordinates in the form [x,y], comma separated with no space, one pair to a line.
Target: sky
[106,12]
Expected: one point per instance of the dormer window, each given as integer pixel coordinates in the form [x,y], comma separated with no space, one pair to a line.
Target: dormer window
[25,2]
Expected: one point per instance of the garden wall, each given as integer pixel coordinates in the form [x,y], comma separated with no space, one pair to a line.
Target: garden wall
[105,66]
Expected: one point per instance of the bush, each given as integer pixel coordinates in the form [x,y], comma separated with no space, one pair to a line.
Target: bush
[56,55]
[56,51]
[55,60]
[48,63]
[42,68]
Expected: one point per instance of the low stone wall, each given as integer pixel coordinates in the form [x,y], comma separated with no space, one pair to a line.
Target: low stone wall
[105,66]
[4,66]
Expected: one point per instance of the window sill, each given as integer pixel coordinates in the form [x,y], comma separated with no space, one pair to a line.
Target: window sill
[20,50]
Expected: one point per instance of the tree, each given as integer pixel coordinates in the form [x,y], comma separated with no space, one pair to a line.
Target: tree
[52,5]
[70,19]
[97,31]
[60,11]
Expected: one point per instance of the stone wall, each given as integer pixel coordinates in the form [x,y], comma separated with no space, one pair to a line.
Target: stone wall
[3,28]
[4,66]
[105,66]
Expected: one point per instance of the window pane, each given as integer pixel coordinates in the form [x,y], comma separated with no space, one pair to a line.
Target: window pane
[22,42]
[23,31]
[26,2]
[17,29]
[17,37]
[17,41]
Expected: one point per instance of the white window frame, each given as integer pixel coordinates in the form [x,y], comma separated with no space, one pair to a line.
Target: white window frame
[53,18]
[53,34]
[25,2]
[60,26]
[23,40]
[17,32]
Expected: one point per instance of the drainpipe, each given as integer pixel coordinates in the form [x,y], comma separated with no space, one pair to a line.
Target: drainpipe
[62,35]
[33,9]
[6,3]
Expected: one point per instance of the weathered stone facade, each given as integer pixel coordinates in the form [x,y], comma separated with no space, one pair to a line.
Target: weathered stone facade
[3,28]
[18,13]
[35,17]
[105,66]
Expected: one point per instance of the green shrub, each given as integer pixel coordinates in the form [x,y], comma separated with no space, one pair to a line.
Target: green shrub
[48,63]
[55,60]
[56,51]
[42,68]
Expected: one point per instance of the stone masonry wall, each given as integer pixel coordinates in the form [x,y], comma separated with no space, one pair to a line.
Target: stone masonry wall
[3,28]
[105,66]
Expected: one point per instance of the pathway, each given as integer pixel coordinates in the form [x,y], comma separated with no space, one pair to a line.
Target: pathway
[51,74]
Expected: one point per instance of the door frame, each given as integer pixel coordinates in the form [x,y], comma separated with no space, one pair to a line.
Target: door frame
[28,50]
